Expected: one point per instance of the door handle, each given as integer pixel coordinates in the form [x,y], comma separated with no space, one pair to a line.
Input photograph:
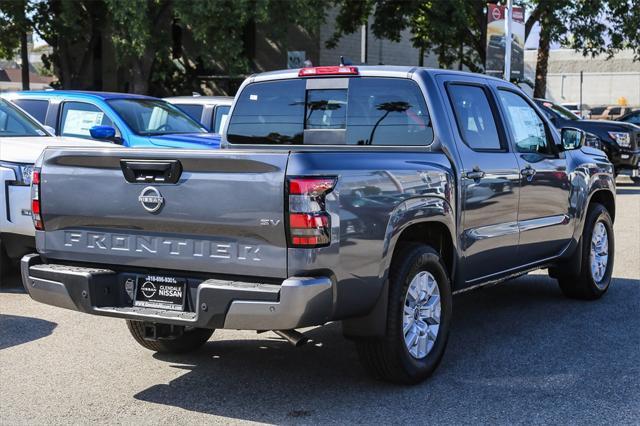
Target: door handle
[528,172]
[145,171]
[475,174]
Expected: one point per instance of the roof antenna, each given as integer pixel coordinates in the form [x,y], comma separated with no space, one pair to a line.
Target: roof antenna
[344,62]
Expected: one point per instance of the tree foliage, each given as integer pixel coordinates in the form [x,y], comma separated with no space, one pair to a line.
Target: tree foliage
[455,30]
[10,27]
[154,46]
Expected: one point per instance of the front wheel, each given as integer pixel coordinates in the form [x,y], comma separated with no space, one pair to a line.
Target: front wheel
[190,340]
[593,278]
[418,319]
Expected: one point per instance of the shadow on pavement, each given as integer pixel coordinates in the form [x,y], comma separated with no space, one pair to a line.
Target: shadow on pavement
[16,330]
[518,349]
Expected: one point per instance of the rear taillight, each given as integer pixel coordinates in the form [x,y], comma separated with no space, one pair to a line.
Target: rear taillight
[36,210]
[309,223]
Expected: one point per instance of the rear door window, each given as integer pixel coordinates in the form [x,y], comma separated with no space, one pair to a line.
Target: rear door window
[474,117]
[79,117]
[37,108]
[372,111]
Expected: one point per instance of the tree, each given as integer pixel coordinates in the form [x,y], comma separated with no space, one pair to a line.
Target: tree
[154,46]
[592,27]
[14,28]
[455,30]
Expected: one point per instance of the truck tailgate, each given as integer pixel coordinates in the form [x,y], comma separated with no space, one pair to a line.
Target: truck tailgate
[224,214]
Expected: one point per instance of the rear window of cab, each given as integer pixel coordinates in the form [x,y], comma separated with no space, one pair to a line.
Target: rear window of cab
[368,111]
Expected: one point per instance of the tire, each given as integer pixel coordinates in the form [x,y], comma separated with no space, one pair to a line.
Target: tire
[191,340]
[389,358]
[636,179]
[583,283]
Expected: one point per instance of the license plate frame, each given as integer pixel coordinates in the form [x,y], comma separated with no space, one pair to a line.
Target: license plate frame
[161,292]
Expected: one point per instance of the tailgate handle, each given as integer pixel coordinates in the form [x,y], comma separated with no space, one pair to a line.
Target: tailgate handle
[149,171]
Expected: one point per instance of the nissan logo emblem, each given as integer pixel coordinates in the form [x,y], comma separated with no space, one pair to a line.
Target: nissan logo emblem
[148,289]
[151,199]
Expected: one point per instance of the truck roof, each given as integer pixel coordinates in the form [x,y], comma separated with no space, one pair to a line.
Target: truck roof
[78,94]
[201,100]
[398,71]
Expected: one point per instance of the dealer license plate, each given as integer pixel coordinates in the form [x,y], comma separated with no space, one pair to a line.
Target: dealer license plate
[160,292]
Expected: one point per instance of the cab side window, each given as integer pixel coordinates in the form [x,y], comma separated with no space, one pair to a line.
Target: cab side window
[79,117]
[525,125]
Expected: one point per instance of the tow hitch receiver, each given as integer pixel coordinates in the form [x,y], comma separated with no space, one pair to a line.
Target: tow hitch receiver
[153,331]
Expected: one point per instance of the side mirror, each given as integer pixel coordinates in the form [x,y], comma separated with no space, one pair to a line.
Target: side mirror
[102,132]
[572,138]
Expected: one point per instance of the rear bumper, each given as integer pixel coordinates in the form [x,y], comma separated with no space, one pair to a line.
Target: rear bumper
[297,302]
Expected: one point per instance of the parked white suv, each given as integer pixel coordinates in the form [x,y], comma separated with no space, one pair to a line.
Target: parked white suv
[22,140]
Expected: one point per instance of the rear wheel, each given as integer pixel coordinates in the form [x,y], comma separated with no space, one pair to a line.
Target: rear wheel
[188,341]
[593,278]
[418,319]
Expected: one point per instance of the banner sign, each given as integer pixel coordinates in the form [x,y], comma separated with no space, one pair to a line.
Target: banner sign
[494,65]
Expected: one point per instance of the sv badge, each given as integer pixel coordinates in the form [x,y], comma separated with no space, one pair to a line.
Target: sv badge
[269,222]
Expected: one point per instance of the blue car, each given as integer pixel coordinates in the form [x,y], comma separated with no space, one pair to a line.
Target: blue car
[122,118]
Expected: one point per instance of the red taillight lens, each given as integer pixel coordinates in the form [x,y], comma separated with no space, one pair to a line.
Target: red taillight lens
[311,186]
[309,223]
[36,210]
[333,70]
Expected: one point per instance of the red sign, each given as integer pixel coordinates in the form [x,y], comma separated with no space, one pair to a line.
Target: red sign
[496,14]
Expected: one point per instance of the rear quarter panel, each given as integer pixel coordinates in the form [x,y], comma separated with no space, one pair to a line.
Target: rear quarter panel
[378,194]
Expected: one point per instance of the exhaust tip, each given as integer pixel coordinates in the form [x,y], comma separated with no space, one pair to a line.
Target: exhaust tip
[294,337]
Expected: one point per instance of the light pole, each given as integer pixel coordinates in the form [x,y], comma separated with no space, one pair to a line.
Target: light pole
[507,43]
[363,43]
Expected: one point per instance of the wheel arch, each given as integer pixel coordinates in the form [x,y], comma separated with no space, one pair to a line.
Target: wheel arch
[607,199]
[428,220]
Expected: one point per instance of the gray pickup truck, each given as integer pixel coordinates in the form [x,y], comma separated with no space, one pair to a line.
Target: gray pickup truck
[366,195]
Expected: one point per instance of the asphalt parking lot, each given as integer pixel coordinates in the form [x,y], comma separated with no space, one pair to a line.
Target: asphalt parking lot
[519,353]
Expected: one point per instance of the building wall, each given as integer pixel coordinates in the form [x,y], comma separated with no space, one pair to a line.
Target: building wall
[272,55]
[605,82]
[378,52]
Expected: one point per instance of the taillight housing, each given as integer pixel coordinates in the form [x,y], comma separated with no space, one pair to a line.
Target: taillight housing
[309,224]
[36,208]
